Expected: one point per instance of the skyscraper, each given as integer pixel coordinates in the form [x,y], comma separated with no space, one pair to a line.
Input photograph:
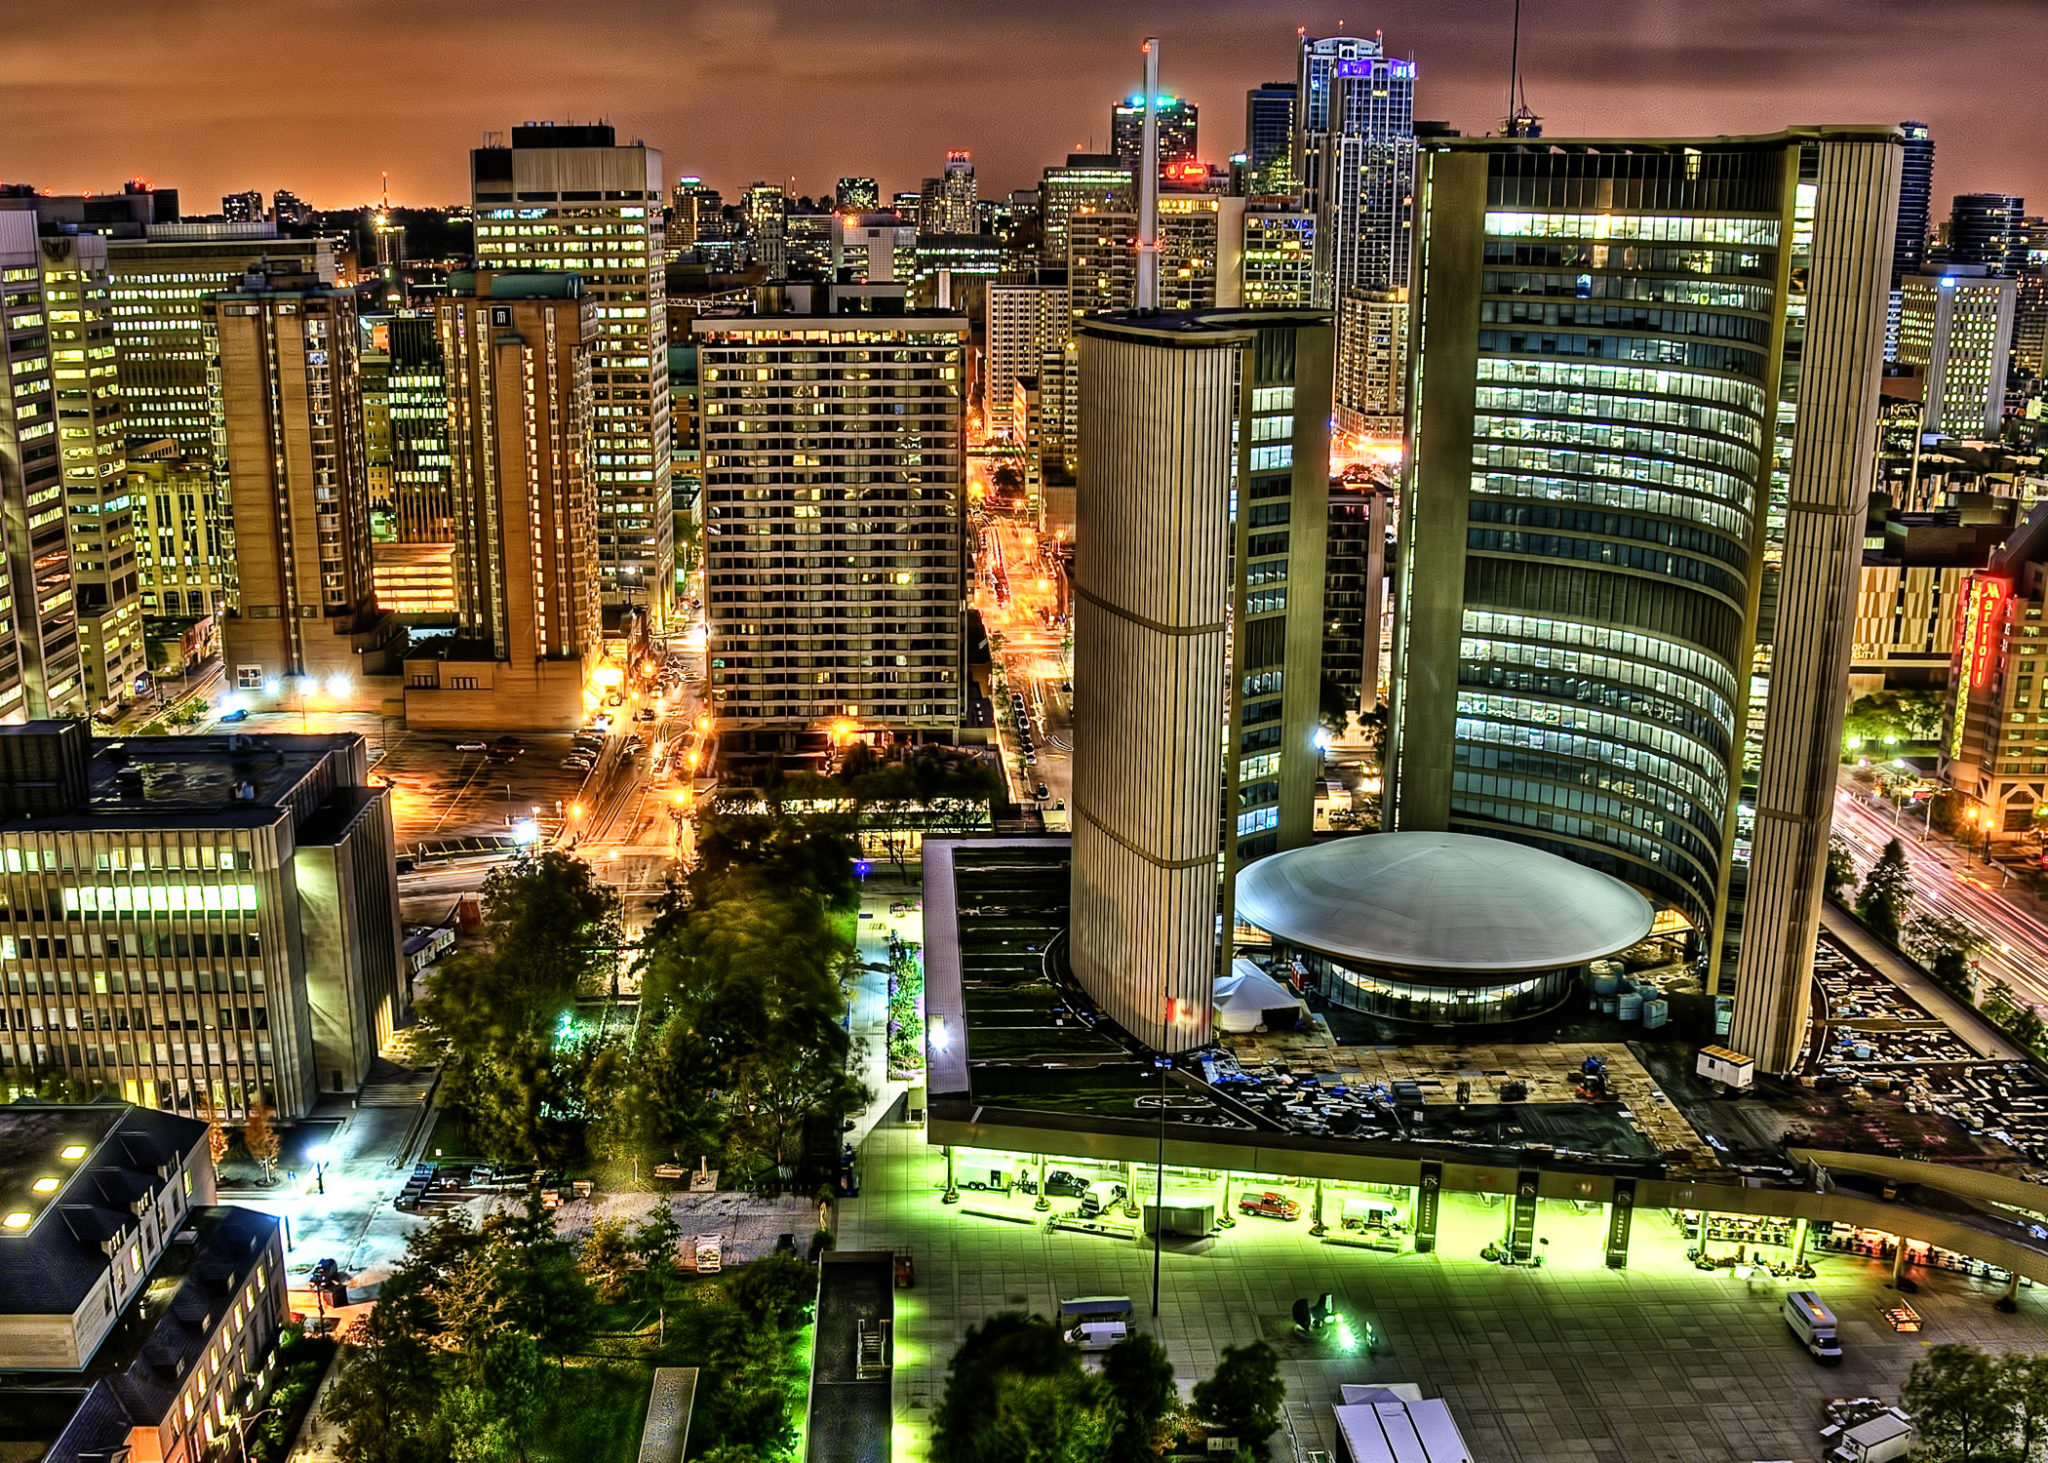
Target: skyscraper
[766,207]
[1989,231]
[835,503]
[1916,202]
[1025,320]
[692,212]
[857,195]
[516,352]
[1314,96]
[570,198]
[949,202]
[1203,503]
[160,286]
[421,501]
[1179,130]
[1956,326]
[1084,183]
[289,417]
[1372,360]
[40,675]
[1366,177]
[1269,138]
[1631,525]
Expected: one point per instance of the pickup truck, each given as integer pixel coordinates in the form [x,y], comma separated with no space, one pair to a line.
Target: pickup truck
[1269,1206]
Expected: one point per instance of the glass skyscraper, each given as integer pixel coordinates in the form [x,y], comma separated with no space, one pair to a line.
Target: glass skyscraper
[1643,416]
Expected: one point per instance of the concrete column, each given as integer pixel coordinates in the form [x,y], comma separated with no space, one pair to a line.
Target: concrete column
[952,1195]
[1226,1217]
[1316,1221]
[1044,1199]
[1131,1210]
[1898,1262]
[2010,1301]
[1704,1217]
[1799,1227]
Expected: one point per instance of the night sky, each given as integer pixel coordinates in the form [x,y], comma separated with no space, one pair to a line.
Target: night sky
[318,95]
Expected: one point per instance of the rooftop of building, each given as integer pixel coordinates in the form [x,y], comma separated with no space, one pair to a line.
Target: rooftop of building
[1446,902]
[512,284]
[143,1366]
[1222,325]
[68,1176]
[1828,132]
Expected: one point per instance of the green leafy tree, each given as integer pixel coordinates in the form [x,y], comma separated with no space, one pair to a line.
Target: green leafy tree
[1139,1375]
[1881,903]
[607,1260]
[657,1244]
[1944,944]
[1841,874]
[383,1399]
[2025,1380]
[1960,1405]
[518,1385]
[1892,717]
[1016,1393]
[1243,1399]
[776,1291]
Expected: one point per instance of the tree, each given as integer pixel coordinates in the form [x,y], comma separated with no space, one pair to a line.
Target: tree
[1139,1375]
[260,1138]
[1944,944]
[606,1259]
[1891,717]
[1841,874]
[776,1291]
[384,1396]
[1016,1393]
[216,1135]
[1882,901]
[1244,1398]
[1957,1400]
[2025,1380]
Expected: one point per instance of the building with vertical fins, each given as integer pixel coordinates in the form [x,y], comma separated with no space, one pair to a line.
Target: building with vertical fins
[1643,423]
[1202,504]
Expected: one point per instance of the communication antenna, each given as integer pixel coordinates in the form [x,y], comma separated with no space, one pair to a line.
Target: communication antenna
[1148,186]
[1514,67]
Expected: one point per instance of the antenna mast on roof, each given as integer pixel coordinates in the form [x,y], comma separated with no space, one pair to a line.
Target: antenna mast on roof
[1518,121]
[1148,186]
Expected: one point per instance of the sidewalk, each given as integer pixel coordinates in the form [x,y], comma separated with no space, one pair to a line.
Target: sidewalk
[1964,1020]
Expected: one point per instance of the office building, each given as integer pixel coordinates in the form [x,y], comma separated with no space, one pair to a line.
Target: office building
[1026,318]
[1102,263]
[287,209]
[235,897]
[160,287]
[948,203]
[1355,565]
[517,349]
[835,566]
[1178,119]
[873,248]
[1956,328]
[572,199]
[245,207]
[2030,323]
[1988,231]
[1994,750]
[40,670]
[1201,242]
[1372,361]
[290,421]
[1084,183]
[857,195]
[1202,506]
[763,207]
[179,546]
[422,507]
[1276,259]
[1916,566]
[1916,204]
[1269,139]
[807,242]
[1642,448]
[1365,179]
[952,271]
[693,212]
[373,375]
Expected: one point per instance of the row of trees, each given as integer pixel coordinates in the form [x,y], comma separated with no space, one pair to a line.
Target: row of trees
[1972,1408]
[738,1047]
[1941,943]
[1893,718]
[499,1341]
[1016,1392]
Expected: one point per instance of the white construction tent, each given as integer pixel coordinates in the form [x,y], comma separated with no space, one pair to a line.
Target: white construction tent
[1244,997]
[1395,1423]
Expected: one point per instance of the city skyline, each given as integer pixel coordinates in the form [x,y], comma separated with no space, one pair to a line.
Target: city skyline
[736,95]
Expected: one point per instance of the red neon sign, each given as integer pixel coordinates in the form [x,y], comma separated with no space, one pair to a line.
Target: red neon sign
[1983,618]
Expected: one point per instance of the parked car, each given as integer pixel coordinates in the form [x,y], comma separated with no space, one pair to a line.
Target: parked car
[240,713]
[471,746]
[1059,1184]
[1041,792]
[1269,1205]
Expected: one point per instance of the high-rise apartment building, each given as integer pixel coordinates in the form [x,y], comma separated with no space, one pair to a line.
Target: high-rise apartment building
[1178,130]
[765,207]
[235,898]
[516,350]
[834,556]
[948,203]
[1988,231]
[1084,183]
[290,424]
[1026,318]
[1102,263]
[573,199]
[1956,327]
[373,373]
[1276,259]
[1642,448]
[1269,138]
[1315,86]
[693,212]
[288,209]
[1198,625]
[40,671]
[77,299]
[1372,361]
[1355,564]
[245,207]
[168,377]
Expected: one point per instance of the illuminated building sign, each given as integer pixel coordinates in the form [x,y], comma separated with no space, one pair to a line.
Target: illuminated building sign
[1977,629]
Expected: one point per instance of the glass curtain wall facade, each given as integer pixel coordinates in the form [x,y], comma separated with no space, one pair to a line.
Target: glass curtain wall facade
[1606,397]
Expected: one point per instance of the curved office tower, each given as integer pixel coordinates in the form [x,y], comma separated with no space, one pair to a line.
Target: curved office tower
[1644,399]
[1151,628]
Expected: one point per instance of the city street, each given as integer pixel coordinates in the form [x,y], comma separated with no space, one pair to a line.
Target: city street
[1950,880]
[1020,600]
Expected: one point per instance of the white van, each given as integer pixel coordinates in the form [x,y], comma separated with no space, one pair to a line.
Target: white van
[1100,1197]
[1814,1324]
[1097,1335]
